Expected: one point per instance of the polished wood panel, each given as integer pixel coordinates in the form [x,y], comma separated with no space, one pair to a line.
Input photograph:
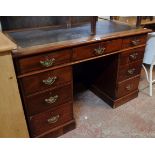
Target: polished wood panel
[114,103]
[131,55]
[111,45]
[122,100]
[127,87]
[97,49]
[134,41]
[45,121]
[43,61]
[85,52]
[56,132]
[40,102]
[130,70]
[46,80]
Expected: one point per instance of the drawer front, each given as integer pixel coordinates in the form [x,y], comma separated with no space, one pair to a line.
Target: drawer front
[48,120]
[111,46]
[129,70]
[43,61]
[97,49]
[134,41]
[46,80]
[127,87]
[131,56]
[85,52]
[45,101]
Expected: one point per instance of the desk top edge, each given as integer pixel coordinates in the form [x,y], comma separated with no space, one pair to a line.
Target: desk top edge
[20,51]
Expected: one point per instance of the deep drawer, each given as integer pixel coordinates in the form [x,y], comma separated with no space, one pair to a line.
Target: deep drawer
[129,70]
[127,87]
[131,56]
[97,49]
[43,61]
[46,80]
[45,101]
[134,41]
[50,119]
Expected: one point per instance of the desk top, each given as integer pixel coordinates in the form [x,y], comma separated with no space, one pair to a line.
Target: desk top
[42,36]
[41,39]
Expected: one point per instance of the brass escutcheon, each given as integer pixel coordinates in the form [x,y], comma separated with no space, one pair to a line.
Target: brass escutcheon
[50,80]
[53,119]
[48,62]
[52,99]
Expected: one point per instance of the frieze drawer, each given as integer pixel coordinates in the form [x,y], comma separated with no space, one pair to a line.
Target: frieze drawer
[134,41]
[43,61]
[97,49]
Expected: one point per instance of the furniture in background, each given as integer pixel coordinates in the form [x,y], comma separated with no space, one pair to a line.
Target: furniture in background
[138,21]
[114,17]
[40,21]
[149,59]
[50,61]
[13,123]
[140,18]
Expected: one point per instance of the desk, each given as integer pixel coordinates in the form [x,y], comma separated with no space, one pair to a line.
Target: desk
[45,60]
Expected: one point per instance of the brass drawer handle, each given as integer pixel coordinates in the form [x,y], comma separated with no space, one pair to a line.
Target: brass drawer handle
[129,87]
[50,80]
[133,56]
[53,119]
[52,99]
[131,71]
[135,42]
[48,62]
[99,51]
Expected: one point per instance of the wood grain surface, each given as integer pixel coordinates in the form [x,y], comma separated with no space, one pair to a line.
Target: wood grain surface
[5,43]
[12,117]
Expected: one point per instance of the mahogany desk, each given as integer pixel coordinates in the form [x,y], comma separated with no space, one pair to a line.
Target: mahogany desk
[48,62]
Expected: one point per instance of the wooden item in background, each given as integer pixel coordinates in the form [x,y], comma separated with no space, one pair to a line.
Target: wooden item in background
[11,111]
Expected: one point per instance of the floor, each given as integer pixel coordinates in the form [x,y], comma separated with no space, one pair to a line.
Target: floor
[95,118]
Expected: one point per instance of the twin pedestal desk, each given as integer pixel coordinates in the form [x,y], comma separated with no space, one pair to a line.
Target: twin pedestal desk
[109,63]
